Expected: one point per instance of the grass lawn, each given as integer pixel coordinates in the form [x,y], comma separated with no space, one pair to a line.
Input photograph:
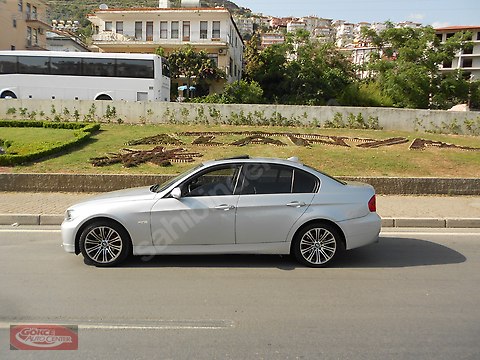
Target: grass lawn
[396,160]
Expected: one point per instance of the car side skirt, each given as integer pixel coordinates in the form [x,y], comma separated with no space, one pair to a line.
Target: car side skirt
[279,248]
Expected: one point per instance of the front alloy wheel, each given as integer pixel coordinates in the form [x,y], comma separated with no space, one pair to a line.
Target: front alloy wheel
[104,244]
[317,245]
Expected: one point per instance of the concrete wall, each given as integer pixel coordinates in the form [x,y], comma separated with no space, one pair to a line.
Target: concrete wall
[161,112]
[104,182]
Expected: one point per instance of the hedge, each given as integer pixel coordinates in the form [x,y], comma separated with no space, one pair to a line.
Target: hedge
[80,137]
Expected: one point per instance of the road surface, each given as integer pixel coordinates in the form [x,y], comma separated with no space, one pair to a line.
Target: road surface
[414,295]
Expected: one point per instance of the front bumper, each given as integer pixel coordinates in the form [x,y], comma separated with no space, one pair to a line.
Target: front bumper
[68,236]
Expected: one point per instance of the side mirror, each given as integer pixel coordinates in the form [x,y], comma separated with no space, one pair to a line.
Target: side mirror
[176,193]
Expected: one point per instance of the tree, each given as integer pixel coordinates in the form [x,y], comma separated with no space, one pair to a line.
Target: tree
[196,67]
[407,63]
[300,71]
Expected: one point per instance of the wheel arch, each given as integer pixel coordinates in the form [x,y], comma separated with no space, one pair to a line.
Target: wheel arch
[94,220]
[4,92]
[318,221]
[103,96]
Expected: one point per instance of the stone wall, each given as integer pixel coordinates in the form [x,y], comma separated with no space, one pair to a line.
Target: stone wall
[103,182]
[161,112]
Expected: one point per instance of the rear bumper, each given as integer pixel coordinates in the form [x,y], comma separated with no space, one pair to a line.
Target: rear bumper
[361,231]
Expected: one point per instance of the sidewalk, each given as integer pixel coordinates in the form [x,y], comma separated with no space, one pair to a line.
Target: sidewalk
[396,211]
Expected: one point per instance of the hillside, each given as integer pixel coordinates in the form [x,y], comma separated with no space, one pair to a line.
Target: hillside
[77,9]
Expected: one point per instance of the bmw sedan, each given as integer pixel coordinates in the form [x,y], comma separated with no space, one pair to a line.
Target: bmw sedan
[239,205]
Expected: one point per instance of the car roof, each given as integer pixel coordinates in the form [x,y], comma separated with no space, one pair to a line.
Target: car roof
[248,159]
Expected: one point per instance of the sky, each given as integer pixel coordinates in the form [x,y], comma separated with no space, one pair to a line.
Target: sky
[437,13]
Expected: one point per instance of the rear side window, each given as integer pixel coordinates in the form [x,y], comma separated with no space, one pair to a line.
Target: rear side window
[304,182]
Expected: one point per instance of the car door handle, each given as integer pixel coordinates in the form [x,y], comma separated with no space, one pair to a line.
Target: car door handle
[224,207]
[296,204]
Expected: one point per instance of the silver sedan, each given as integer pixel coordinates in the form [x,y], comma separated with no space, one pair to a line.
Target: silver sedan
[231,206]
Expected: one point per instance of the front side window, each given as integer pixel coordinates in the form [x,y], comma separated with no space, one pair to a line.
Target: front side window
[219,181]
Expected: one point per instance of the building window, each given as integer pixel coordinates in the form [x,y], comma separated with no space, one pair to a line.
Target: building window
[449,35]
[34,12]
[163,29]
[214,58]
[440,37]
[149,31]
[12,47]
[174,31]
[14,23]
[447,64]
[119,27]
[478,35]
[467,63]
[203,29]
[138,30]
[216,30]
[35,37]
[231,67]
[186,31]
[20,5]
[468,50]
[29,36]
[28,11]
[108,26]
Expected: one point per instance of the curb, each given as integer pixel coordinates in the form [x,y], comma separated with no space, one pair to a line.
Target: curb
[437,223]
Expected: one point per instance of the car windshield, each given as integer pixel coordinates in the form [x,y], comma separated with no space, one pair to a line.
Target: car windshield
[159,188]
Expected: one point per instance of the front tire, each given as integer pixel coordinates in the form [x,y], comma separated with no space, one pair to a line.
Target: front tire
[104,243]
[317,245]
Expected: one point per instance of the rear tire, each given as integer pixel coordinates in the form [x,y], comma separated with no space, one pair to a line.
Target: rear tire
[104,243]
[317,245]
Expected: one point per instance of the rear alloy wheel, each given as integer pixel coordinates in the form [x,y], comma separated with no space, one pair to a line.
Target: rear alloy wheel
[104,243]
[317,245]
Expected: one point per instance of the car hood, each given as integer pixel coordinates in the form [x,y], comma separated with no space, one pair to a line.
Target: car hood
[140,193]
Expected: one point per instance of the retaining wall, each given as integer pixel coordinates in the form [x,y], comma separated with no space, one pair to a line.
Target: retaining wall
[102,183]
[165,112]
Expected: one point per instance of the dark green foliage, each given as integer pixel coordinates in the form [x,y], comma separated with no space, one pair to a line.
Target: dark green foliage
[80,138]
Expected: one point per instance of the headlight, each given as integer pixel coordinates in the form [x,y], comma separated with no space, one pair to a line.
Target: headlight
[69,215]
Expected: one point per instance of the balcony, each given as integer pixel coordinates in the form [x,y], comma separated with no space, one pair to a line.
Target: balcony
[36,20]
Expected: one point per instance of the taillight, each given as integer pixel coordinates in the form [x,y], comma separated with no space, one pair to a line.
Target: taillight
[372,204]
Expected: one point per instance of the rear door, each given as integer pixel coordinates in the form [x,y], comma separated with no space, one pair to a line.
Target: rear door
[272,199]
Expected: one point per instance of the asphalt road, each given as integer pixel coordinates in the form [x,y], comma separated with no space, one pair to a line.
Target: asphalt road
[414,295]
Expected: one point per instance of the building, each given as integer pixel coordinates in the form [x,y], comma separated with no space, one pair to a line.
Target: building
[24,25]
[143,30]
[64,41]
[468,59]
[295,25]
[244,25]
[268,39]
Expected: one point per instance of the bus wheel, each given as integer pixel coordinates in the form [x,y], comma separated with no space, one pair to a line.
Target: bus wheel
[103,97]
[8,95]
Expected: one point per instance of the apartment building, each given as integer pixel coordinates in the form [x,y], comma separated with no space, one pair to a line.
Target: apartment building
[268,39]
[468,59]
[245,25]
[24,24]
[143,30]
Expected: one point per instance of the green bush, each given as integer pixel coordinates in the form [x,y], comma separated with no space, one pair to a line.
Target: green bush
[81,136]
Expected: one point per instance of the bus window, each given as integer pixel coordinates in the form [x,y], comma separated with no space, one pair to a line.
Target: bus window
[65,66]
[33,65]
[98,67]
[135,68]
[8,64]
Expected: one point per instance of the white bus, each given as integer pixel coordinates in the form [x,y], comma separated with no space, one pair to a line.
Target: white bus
[83,76]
